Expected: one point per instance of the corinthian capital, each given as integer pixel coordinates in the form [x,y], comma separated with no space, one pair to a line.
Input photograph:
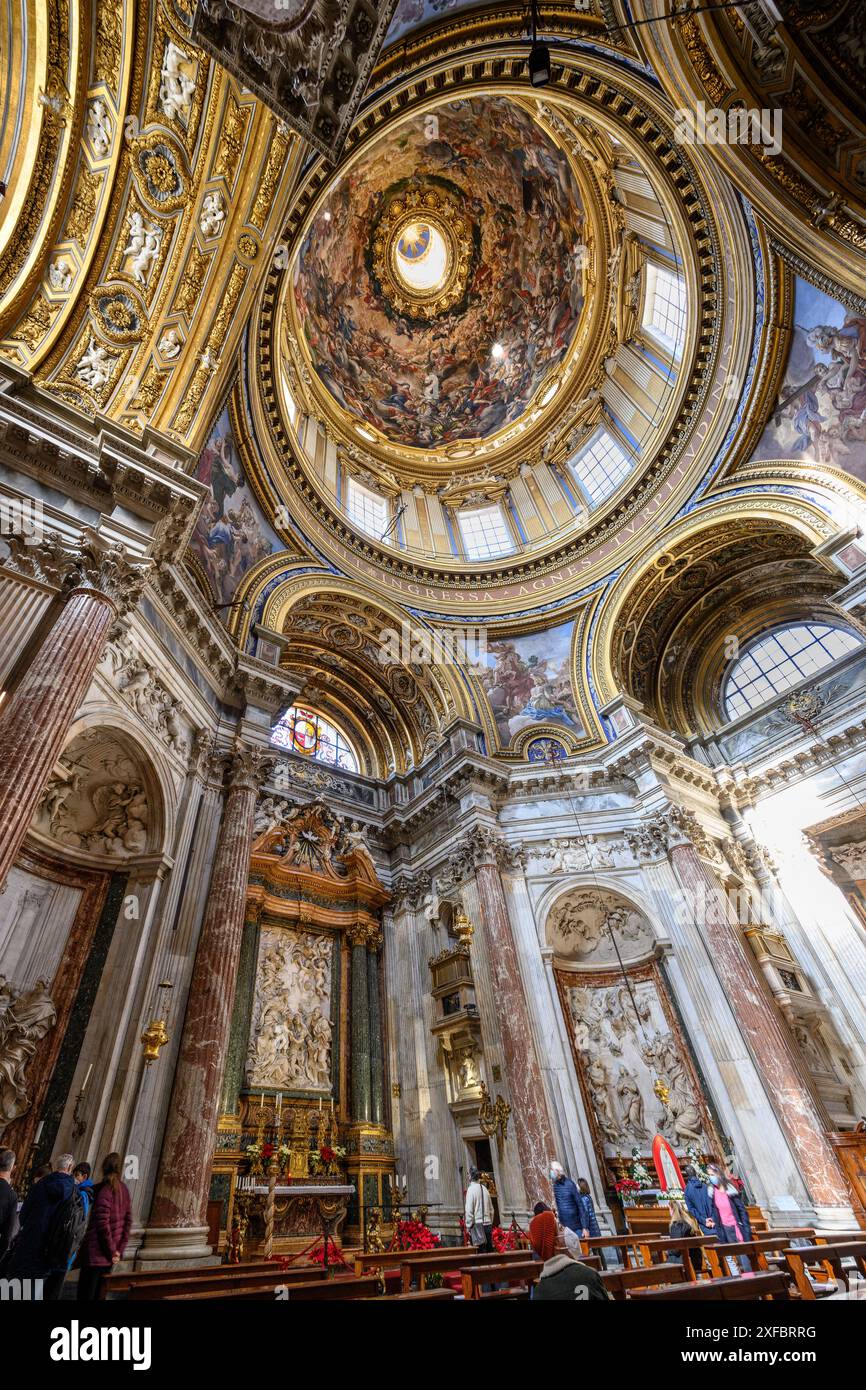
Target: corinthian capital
[247,767]
[93,563]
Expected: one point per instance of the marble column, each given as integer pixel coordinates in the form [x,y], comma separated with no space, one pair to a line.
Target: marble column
[377,1051]
[529,1113]
[177,1227]
[793,1101]
[360,1027]
[98,582]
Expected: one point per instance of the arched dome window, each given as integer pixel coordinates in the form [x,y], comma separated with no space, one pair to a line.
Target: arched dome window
[779,660]
[303,731]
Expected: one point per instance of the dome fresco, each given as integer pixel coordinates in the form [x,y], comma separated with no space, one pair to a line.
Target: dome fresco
[481,178]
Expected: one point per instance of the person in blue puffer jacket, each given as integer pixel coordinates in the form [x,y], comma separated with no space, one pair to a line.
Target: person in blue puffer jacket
[699,1203]
[569,1203]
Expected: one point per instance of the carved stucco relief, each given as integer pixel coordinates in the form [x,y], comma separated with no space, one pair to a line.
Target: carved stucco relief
[290,1037]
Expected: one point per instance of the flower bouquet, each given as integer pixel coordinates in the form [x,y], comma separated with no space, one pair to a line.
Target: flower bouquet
[414,1235]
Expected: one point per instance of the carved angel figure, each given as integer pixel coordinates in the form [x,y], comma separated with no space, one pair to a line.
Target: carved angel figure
[177,87]
[212,215]
[144,243]
[95,366]
[24,1022]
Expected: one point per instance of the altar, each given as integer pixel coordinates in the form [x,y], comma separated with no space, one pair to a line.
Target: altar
[305,1115]
[292,1209]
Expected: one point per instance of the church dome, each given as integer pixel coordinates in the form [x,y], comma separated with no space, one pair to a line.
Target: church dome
[440,282]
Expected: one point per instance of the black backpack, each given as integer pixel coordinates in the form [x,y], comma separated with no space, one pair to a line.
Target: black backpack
[66,1231]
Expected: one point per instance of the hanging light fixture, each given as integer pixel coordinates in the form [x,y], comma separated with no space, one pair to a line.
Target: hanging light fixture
[539,55]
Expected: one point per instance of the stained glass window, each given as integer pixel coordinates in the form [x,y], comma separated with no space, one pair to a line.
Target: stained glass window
[304,731]
[780,660]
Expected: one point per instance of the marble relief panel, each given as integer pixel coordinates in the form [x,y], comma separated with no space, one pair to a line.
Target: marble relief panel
[624,1041]
[290,1041]
[36,916]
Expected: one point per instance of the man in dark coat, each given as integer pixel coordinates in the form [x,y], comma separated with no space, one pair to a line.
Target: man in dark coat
[29,1258]
[8,1202]
[569,1203]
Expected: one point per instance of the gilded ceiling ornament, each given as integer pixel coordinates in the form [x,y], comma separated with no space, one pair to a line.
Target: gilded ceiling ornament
[95,366]
[83,212]
[156,166]
[120,316]
[36,323]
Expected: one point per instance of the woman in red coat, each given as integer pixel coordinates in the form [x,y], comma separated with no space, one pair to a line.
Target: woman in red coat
[107,1231]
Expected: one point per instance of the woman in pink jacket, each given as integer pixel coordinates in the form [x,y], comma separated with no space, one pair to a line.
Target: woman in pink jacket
[107,1231]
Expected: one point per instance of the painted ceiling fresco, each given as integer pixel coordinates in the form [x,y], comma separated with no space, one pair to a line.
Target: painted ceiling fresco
[528,681]
[428,383]
[231,535]
[820,416]
[414,14]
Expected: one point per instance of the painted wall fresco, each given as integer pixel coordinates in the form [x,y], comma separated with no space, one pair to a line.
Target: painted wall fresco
[820,416]
[528,681]
[428,384]
[231,534]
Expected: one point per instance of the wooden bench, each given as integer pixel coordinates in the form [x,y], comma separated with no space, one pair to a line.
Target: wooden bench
[773,1285]
[133,1279]
[448,1260]
[331,1289]
[414,1294]
[828,1257]
[652,1251]
[392,1259]
[522,1272]
[234,1282]
[620,1282]
[626,1245]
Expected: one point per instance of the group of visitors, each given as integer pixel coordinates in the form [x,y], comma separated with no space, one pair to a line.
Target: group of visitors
[64,1219]
[714,1207]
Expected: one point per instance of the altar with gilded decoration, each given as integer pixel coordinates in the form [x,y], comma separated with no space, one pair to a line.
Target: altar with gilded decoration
[305,1099]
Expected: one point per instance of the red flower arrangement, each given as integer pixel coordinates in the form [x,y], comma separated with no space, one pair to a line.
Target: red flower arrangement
[504,1240]
[627,1186]
[414,1235]
[326,1154]
[335,1255]
[267,1150]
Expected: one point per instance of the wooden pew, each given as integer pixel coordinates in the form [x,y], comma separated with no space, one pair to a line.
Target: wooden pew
[236,1280]
[653,1251]
[620,1282]
[523,1272]
[756,1251]
[828,1257]
[626,1245]
[773,1285]
[133,1279]
[448,1261]
[416,1294]
[392,1259]
[330,1289]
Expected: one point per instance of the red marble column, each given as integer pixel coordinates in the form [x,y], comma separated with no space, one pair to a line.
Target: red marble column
[183,1181]
[529,1115]
[34,724]
[773,1054]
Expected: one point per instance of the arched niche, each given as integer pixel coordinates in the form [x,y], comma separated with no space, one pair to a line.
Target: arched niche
[633,1062]
[105,799]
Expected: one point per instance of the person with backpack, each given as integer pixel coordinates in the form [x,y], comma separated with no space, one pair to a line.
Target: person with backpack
[53,1220]
[108,1230]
